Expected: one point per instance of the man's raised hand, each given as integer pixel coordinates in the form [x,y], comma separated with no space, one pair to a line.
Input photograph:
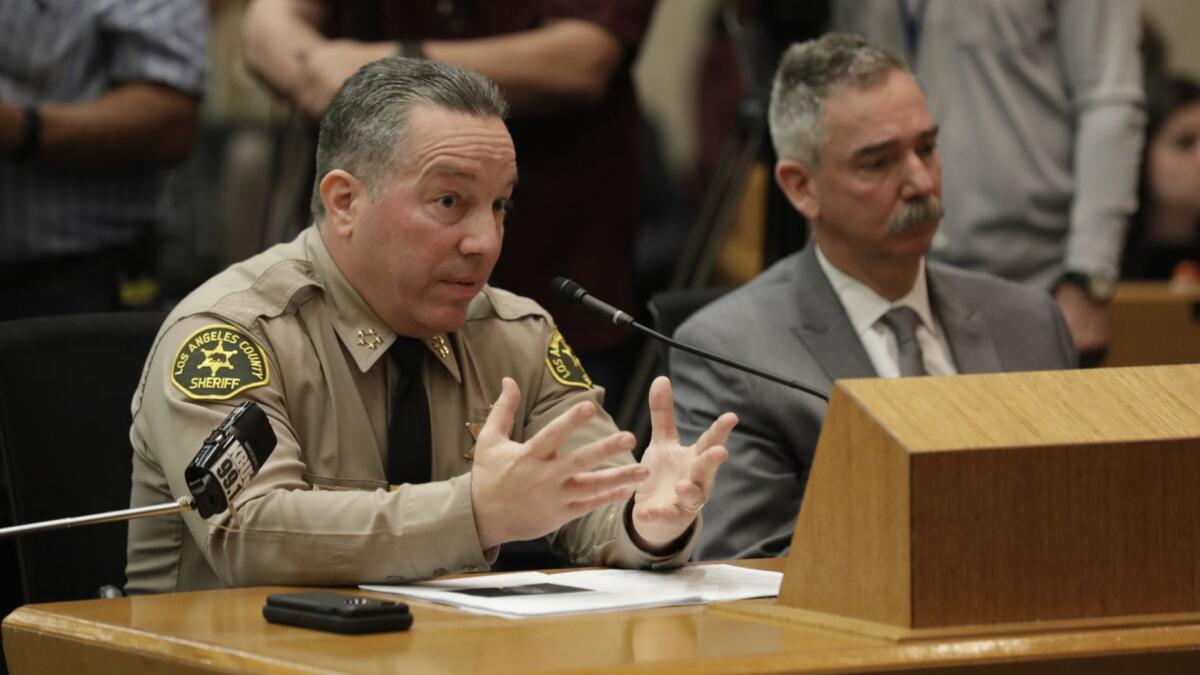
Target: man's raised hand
[525,490]
[680,477]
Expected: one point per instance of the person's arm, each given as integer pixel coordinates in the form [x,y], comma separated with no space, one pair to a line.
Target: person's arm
[1098,43]
[564,63]
[1069,357]
[155,58]
[275,36]
[131,126]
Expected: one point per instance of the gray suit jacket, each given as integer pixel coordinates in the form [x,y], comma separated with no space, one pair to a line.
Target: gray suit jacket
[789,320]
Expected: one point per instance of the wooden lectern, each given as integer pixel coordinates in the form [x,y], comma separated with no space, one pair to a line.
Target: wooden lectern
[941,506]
[1154,323]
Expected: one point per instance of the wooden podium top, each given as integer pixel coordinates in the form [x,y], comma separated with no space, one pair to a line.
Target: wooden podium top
[1000,410]
[1155,292]
[223,631]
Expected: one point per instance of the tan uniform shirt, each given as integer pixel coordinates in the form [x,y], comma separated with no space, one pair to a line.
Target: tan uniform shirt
[286,330]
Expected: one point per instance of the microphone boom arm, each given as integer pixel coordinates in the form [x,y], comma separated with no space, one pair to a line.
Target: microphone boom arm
[573,292]
[732,363]
[229,459]
[184,504]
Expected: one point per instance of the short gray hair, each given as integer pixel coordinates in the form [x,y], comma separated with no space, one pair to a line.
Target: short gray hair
[808,73]
[364,129]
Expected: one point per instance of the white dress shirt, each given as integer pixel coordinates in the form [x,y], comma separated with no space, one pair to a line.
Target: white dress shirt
[865,308]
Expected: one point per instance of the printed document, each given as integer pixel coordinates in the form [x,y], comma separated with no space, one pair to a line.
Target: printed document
[526,594]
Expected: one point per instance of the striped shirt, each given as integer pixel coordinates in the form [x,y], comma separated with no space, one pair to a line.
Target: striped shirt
[62,51]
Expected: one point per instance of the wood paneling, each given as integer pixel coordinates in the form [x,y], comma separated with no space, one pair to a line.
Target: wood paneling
[1154,324]
[1020,497]
[850,554]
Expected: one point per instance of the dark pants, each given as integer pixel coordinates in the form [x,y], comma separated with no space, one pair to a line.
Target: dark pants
[68,284]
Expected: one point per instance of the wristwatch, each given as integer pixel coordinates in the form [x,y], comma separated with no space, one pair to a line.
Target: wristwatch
[31,135]
[410,49]
[1098,287]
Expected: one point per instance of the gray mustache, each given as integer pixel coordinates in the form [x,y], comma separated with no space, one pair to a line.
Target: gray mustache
[915,212]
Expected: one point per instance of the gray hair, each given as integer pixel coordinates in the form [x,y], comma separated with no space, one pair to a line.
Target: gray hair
[808,73]
[364,129]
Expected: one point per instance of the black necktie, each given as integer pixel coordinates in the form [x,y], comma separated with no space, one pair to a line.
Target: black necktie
[410,450]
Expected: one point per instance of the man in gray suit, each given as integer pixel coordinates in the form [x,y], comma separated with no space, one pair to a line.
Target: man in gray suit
[858,157]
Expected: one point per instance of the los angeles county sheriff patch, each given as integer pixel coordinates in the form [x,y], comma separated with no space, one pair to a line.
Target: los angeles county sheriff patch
[564,365]
[218,362]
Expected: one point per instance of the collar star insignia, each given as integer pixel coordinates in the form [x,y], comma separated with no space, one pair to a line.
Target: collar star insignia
[440,346]
[369,338]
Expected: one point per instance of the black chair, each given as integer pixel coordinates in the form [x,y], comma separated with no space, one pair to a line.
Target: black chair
[669,309]
[66,383]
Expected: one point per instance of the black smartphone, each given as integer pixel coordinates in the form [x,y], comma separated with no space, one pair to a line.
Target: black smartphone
[337,612]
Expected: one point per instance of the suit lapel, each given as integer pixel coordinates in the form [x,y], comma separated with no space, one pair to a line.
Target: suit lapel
[971,345]
[822,324]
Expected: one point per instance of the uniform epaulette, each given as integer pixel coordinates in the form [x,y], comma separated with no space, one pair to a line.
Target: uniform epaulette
[504,305]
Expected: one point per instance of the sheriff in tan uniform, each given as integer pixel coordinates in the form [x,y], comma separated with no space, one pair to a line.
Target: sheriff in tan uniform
[286,330]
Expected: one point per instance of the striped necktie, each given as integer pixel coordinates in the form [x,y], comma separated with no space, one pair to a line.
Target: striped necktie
[903,322]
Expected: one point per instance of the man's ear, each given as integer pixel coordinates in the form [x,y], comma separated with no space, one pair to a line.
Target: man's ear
[798,185]
[344,197]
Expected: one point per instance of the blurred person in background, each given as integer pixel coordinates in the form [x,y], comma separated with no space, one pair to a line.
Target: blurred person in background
[744,42]
[97,98]
[1164,236]
[564,66]
[1040,108]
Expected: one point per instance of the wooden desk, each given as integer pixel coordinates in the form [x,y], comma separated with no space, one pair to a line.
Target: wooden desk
[1153,324]
[223,631]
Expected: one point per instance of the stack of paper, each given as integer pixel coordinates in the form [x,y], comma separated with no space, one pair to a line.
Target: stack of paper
[525,594]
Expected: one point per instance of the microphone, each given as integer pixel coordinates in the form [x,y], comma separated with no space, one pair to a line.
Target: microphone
[573,292]
[231,455]
[227,461]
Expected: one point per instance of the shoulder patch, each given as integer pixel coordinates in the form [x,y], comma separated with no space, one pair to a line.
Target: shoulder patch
[218,362]
[564,366]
